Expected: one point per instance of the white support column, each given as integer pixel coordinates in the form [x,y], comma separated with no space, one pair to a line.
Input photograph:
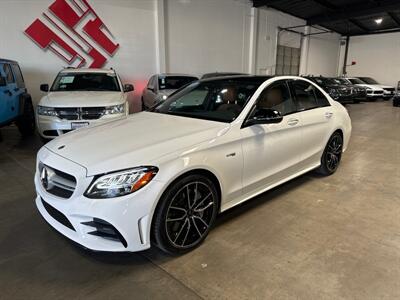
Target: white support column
[253,41]
[305,48]
[161,45]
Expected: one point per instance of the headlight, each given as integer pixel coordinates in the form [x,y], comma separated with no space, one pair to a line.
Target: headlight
[120,183]
[46,111]
[115,109]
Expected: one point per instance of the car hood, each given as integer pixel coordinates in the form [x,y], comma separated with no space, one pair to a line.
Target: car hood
[82,99]
[385,86]
[137,140]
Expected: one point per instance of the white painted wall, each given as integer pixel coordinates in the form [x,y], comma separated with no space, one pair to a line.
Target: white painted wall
[267,32]
[206,36]
[131,22]
[188,36]
[376,56]
[322,54]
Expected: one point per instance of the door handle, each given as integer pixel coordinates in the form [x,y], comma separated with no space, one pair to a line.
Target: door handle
[328,115]
[293,122]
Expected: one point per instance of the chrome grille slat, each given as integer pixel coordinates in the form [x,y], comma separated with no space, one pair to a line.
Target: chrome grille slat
[56,182]
[80,113]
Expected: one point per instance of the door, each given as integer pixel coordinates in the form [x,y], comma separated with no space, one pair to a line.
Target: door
[150,93]
[8,94]
[271,151]
[317,118]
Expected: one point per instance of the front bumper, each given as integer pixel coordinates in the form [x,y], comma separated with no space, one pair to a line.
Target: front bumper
[129,215]
[52,127]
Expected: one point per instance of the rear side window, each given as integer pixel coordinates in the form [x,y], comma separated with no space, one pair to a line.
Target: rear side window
[18,76]
[321,99]
[305,95]
[8,73]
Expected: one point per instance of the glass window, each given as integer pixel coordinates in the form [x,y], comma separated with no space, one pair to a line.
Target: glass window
[8,73]
[220,100]
[356,81]
[86,82]
[368,80]
[305,95]
[277,97]
[174,82]
[18,76]
[321,99]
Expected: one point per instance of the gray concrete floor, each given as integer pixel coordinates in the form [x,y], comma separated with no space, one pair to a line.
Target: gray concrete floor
[312,238]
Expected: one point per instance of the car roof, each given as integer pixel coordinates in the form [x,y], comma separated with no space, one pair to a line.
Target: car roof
[243,78]
[3,60]
[175,74]
[87,70]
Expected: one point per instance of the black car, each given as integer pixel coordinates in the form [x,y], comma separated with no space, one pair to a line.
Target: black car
[359,92]
[339,92]
[220,74]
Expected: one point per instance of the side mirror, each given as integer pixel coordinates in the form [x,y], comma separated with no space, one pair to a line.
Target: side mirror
[44,87]
[3,81]
[151,88]
[265,116]
[128,88]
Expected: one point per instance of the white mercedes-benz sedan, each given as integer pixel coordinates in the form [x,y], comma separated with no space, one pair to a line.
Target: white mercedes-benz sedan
[161,177]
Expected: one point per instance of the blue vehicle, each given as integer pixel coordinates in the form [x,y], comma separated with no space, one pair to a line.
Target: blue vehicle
[15,102]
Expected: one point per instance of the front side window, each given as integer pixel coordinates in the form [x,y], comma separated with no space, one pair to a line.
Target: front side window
[277,97]
[18,76]
[369,80]
[174,82]
[8,73]
[69,82]
[305,95]
[356,81]
[220,100]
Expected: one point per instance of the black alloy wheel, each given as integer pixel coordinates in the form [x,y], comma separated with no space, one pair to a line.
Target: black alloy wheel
[186,213]
[332,155]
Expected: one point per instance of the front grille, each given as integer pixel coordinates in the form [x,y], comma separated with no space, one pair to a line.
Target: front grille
[57,215]
[80,113]
[105,230]
[378,93]
[389,89]
[56,182]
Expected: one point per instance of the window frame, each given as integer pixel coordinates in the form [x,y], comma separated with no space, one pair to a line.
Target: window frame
[18,73]
[251,111]
[291,83]
[10,72]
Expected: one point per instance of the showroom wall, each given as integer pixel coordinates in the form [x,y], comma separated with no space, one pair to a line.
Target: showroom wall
[376,56]
[323,52]
[187,36]
[131,22]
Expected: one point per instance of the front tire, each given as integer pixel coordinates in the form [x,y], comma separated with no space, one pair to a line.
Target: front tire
[26,122]
[332,155]
[185,214]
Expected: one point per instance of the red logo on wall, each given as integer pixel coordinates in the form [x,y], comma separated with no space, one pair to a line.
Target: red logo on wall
[73,30]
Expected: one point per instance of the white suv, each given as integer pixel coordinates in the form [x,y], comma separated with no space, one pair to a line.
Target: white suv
[79,98]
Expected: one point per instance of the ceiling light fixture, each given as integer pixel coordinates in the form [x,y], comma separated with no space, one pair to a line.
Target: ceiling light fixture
[378,21]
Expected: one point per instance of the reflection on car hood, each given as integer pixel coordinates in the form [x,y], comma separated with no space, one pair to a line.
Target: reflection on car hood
[166,92]
[371,87]
[137,140]
[82,99]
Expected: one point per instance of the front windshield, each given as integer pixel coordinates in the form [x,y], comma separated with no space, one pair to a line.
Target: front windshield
[356,81]
[341,81]
[369,80]
[174,82]
[219,100]
[68,82]
[324,81]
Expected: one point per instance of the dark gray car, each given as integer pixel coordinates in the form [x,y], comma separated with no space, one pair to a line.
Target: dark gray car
[160,86]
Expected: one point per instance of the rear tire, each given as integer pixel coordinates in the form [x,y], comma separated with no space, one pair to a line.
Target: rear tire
[332,155]
[185,214]
[26,122]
